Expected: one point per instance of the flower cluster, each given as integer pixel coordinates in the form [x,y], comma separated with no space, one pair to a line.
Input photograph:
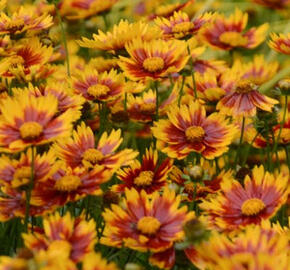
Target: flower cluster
[146,134]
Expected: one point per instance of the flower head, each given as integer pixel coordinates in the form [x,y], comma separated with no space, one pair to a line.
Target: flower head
[236,206]
[228,33]
[154,59]
[150,175]
[187,130]
[145,224]
[280,43]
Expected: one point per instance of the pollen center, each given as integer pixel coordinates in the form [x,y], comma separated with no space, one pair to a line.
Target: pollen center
[194,133]
[148,225]
[244,86]
[252,206]
[98,90]
[233,38]
[30,130]
[68,183]
[145,178]
[93,155]
[148,107]
[153,64]
[182,27]
[21,176]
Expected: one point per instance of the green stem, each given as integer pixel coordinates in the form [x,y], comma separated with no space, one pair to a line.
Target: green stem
[192,72]
[64,41]
[181,90]
[29,190]
[240,142]
[157,101]
[248,148]
[281,126]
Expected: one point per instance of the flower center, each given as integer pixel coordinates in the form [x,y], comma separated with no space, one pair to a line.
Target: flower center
[153,64]
[244,86]
[93,155]
[21,176]
[98,90]
[148,107]
[252,206]
[68,183]
[148,225]
[30,130]
[194,134]
[233,38]
[182,27]
[145,178]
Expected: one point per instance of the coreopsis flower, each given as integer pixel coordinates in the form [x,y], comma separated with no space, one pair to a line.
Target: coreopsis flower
[67,100]
[96,86]
[94,261]
[243,251]
[16,173]
[280,42]
[102,64]
[150,175]
[81,150]
[142,109]
[153,59]
[5,45]
[244,100]
[77,232]
[187,130]
[81,9]
[285,129]
[24,20]
[122,34]
[259,198]
[26,60]
[273,4]
[28,120]
[145,224]
[55,257]
[228,33]
[180,25]
[68,185]
[257,71]
[167,10]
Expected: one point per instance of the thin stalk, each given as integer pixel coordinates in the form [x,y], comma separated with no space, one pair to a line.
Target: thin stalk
[192,72]
[64,41]
[181,90]
[240,142]
[29,190]
[157,101]
[281,126]
[248,148]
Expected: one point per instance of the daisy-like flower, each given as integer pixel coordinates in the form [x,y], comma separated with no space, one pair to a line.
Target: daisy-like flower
[228,33]
[146,224]
[150,175]
[94,261]
[187,130]
[257,71]
[122,34]
[242,251]
[77,232]
[244,100]
[102,64]
[180,25]
[28,120]
[142,109]
[23,20]
[81,150]
[68,185]
[273,4]
[280,42]
[17,173]
[64,94]
[95,86]
[154,59]
[27,59]
[236,206]
[81,9]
